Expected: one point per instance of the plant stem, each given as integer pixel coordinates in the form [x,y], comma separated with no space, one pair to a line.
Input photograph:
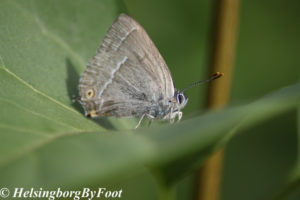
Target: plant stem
[209,176]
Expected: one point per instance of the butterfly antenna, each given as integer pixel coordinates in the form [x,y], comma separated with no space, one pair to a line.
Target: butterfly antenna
[213,77]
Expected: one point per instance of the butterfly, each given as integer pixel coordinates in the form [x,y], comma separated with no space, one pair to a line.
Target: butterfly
[129,78]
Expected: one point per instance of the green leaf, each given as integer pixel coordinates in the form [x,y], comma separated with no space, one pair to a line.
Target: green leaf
[44,138]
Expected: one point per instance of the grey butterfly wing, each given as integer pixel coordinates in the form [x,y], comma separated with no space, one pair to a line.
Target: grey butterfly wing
[127,73]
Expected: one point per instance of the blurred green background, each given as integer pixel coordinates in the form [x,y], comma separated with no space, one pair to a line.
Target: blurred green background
[258,161]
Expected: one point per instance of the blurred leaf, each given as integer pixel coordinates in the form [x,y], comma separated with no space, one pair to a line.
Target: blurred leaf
[290,189]
[260,159]
[44,138]
[182,147]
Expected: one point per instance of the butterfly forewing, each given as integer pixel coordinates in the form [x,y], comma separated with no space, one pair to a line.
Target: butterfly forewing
[127,73]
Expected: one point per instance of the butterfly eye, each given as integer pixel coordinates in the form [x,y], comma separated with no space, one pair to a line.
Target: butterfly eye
[181,98]
[90,93]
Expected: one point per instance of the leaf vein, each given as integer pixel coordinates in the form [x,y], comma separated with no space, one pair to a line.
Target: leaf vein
[38,114]
[36,90]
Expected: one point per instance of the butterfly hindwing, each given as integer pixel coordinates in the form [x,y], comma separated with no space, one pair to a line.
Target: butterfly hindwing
[127,73]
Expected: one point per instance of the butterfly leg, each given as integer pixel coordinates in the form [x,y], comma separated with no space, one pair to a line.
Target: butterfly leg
[140,121]
[171,116]
[179,115]
[172,121]
[151,118]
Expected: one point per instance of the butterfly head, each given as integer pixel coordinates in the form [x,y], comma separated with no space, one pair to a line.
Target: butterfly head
[180,99]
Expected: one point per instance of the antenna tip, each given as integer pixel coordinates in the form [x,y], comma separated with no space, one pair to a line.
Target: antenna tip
[219,74]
